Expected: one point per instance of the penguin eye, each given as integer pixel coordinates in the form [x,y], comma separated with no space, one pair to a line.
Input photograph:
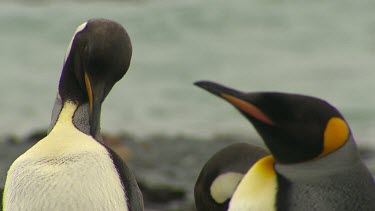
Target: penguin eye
[335,135]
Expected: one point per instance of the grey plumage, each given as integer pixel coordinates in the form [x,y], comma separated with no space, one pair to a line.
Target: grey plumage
[339,181]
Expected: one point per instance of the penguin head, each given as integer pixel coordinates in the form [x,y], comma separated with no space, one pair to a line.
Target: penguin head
[98,56]
[295,128]
[222,173]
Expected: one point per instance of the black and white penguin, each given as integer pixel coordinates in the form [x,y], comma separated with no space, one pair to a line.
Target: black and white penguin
[222,173]
[70,169]
[314,162]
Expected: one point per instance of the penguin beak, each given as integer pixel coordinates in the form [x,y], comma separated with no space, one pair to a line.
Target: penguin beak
[238,99]
[95,92]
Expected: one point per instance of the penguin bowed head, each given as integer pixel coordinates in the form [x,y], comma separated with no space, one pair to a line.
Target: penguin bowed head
[98,56]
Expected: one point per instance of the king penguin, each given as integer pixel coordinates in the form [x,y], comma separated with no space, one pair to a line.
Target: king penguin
[222,173]
[314,162]
[70,169]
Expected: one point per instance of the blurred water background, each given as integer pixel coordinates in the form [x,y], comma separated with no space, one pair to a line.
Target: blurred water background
[320,48]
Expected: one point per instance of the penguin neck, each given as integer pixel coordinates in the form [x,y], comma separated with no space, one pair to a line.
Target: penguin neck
[344,158]
[71,86]
[72,91]
[79,116]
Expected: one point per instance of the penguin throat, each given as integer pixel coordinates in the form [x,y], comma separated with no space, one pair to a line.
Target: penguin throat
[338,161]
[72,113]
[70,89]
[81,118]
[71,85]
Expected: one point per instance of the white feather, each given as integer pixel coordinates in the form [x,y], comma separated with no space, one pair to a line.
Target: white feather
[79,29]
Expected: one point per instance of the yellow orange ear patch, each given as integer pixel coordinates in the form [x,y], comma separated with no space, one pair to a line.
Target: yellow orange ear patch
[335,135]
[248,108]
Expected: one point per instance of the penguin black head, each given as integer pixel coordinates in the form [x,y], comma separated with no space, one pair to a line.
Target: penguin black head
[97,57]
[222,173]
[294,127]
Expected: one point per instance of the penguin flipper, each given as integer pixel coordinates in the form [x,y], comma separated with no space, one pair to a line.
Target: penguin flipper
[132,192]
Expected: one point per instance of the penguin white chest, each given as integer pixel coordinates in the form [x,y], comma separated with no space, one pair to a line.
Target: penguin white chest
[73,172]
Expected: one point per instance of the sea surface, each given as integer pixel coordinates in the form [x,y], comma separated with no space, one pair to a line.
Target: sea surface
[320,48]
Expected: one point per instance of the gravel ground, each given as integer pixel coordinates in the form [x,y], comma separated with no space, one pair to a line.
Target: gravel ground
[166,167]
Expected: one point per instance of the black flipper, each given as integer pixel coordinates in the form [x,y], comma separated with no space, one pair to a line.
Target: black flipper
[132,191]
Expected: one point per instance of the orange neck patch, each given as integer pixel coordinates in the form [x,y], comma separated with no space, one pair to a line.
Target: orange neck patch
[89,91]
[335,135]
[257,189]
[248,108]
